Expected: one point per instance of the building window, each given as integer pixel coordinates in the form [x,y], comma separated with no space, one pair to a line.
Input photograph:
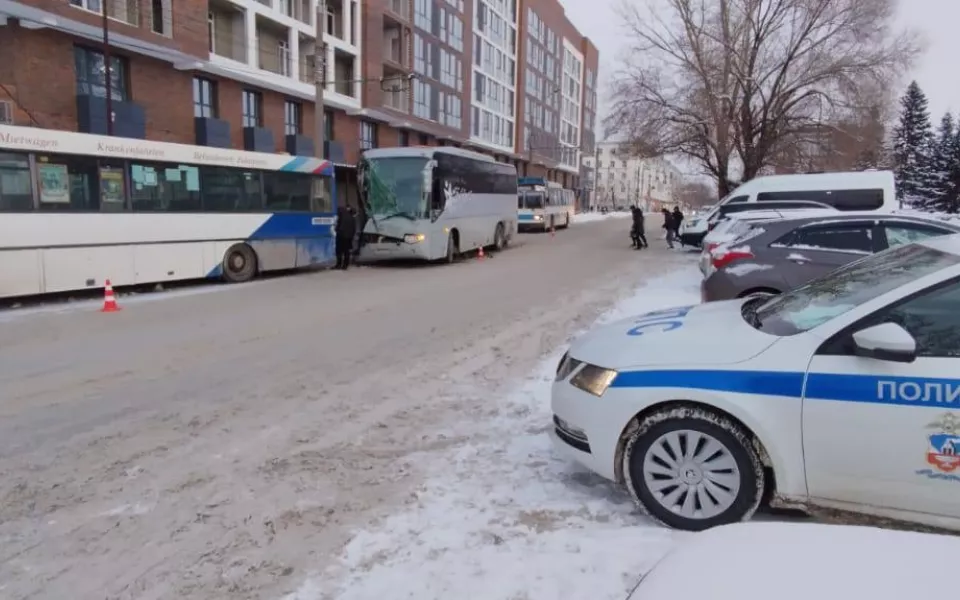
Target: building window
[292,118]
[157,13]
[328,125]
[404,138]
[93,5]
[91,75]
[368,135]
[252,109]
[212,32]
[204,98]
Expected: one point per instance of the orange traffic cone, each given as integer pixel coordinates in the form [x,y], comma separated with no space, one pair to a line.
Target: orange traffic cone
[109,300]
[480,254]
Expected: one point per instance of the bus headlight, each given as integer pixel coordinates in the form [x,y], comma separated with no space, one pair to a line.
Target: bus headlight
[537,217]
[593,379]
[414,238]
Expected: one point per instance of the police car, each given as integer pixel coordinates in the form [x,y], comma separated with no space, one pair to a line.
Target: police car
[842,393]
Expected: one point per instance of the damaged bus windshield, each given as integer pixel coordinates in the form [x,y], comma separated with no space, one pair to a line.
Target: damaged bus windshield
[394,187]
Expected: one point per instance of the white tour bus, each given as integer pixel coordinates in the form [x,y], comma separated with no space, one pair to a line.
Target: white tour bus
[78,209]
[544,205]
[849,191]
[435,203]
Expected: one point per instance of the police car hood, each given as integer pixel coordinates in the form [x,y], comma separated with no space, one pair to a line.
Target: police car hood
[705,334]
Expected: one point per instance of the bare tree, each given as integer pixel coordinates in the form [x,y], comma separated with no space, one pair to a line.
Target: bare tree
[733,82]
[695,194]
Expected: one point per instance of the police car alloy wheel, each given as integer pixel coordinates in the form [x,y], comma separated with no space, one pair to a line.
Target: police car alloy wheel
[692,469]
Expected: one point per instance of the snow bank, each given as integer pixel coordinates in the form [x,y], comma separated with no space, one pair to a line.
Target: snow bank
[589,217]
[792,561]
[503,517]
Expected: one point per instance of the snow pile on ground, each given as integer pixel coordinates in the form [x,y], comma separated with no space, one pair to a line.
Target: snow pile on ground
[792,561]
[503,517]
[589,217]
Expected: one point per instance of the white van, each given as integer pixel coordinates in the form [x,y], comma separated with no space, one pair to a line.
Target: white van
[872,191]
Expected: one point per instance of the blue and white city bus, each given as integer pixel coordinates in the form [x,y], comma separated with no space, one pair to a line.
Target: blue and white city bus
[544,205]
[77,209]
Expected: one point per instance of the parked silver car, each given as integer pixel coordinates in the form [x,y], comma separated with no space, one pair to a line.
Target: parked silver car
[776,256]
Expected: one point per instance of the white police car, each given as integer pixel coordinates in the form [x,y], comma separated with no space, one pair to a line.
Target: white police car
[842,393]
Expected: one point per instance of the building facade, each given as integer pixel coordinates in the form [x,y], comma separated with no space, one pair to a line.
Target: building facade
[240,74]
[622,180]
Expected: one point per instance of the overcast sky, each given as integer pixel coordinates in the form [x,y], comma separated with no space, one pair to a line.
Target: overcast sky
[938,20]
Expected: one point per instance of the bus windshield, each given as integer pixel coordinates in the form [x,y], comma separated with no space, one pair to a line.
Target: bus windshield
[531,199]
[393,187]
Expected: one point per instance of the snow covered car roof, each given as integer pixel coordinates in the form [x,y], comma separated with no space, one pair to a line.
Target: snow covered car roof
[803,561]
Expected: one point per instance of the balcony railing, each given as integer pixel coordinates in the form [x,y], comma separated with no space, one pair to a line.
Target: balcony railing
[397,101]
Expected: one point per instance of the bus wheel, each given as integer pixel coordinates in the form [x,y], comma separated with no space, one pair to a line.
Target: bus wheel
[239,264]
[499,239]
[453,248]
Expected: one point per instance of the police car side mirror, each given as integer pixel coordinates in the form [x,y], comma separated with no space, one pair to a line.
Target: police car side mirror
[887,341]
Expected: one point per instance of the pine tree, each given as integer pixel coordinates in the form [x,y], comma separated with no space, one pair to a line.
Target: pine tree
[912,146]
[941,164]
[951,202]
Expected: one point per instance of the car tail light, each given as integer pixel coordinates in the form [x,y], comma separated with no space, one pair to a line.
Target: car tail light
[712,246]
[723,259]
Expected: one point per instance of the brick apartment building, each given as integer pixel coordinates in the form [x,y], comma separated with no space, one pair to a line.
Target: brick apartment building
[480,74]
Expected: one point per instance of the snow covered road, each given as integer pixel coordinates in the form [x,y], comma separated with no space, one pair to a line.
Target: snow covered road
[501,516]
[229,445]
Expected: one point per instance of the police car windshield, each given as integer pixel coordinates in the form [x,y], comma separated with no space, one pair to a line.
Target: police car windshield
[846,288]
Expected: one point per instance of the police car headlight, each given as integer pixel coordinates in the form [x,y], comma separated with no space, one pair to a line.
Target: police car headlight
[414,238]
[593,379]
[567,366]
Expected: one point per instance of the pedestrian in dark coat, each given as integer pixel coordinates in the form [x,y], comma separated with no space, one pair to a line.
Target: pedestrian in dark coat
[638,234]
[668,226]
[677,222]
[346,228]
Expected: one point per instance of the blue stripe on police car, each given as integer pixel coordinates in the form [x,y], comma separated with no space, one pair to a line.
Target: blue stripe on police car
[873,389]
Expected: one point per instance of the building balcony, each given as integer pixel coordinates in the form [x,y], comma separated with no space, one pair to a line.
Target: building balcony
[301,10]
[397,100]
[258,139]
[396,52]
[128,118]
[212,132]
[273,48]
[227,31]
[397,10]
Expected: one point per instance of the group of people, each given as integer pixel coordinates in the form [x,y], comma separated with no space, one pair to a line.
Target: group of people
[671,224]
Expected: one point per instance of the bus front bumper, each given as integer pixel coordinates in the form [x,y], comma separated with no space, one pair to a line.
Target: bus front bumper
[528,224]
[375,252]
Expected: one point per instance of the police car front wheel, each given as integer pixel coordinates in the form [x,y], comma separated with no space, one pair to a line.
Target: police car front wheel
[693,469]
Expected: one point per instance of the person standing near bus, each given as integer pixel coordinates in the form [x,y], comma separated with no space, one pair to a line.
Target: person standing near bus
[346,228]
